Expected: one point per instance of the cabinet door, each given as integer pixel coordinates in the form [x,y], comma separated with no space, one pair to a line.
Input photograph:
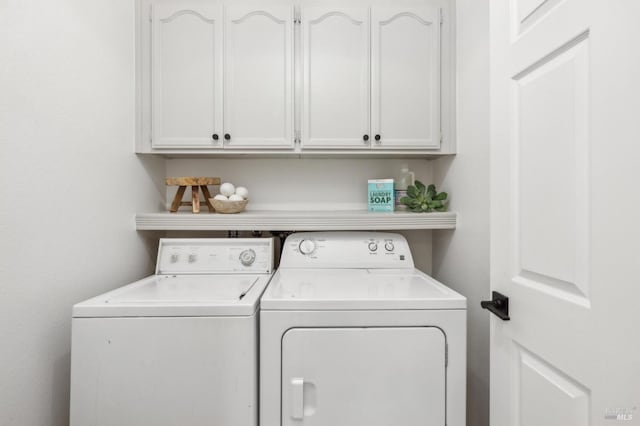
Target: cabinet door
[186,74]
[363,376]
[406,77]
[336,82]
[259,76]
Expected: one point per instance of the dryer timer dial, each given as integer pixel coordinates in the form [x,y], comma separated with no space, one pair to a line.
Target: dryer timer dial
[307,247]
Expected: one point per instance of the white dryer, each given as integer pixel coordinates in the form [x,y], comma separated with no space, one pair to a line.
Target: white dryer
[351,334]
[179,347]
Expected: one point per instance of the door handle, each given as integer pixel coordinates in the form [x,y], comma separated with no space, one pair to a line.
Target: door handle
[297,398]
[498,305]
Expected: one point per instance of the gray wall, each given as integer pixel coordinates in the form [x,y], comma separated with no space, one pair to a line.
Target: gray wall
[69,185]
[461,257]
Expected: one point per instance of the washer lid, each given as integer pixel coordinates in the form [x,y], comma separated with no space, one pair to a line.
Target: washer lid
[357,289]
[181,295]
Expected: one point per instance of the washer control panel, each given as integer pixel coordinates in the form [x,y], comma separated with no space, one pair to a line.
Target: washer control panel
[214,256]
[368,250]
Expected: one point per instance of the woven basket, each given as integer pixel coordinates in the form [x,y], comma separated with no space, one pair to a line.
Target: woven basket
[228,207]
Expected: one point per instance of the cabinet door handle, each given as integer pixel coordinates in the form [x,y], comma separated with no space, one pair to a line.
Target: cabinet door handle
[215,136]
[378,137]
[227,136]
[365,138]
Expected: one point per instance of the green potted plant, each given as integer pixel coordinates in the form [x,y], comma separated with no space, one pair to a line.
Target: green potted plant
[423,199]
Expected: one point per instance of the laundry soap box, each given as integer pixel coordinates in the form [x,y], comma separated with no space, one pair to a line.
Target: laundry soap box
[381,197]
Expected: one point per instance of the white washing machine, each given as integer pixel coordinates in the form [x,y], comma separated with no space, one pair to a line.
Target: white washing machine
[179,347]
[351,334]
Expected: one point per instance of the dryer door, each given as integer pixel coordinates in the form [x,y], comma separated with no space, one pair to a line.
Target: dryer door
[374,376]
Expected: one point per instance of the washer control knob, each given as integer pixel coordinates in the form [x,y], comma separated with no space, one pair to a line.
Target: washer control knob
[193,257]
[389,246]
[307,247]
[247,257]
[373,246]
[174,258]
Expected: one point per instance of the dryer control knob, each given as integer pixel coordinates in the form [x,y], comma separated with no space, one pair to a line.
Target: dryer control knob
[373,246]
[307,246]
[389,246]
[247,257]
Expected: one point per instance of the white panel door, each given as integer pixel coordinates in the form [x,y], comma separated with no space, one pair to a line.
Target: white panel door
[186,74]
[336,83]
[564,141]
[258,79]
[405,58]
[363,376]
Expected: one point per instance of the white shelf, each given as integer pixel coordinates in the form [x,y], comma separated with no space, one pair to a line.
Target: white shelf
[276,220]
[297,153]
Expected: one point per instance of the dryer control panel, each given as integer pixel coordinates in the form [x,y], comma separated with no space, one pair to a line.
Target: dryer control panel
[360,250]
[177,256]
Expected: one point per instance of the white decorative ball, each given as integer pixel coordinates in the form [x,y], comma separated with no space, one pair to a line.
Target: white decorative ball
[235,197]
[243,192]
[220,197]
[227,189]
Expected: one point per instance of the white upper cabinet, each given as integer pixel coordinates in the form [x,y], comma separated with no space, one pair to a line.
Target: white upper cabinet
[371,77]
[186,74]
[405,72]
[336,77]
[295,76]
[258,76]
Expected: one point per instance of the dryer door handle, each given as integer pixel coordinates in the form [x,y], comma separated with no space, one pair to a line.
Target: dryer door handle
[297,398]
